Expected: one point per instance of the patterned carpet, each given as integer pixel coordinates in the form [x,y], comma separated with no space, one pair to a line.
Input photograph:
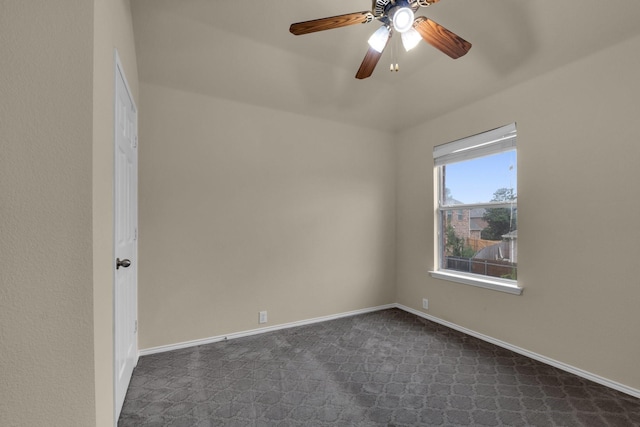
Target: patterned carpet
[388,368]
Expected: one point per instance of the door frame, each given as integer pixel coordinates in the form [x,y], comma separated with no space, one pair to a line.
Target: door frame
[119,71]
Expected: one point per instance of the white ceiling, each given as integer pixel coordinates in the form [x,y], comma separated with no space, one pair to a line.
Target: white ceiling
[243,51]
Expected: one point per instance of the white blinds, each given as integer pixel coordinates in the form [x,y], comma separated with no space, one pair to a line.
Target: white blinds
[483,144]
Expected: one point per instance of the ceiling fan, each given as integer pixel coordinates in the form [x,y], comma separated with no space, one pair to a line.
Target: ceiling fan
[395,16]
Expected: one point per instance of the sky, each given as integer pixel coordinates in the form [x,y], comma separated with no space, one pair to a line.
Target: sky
[475,181]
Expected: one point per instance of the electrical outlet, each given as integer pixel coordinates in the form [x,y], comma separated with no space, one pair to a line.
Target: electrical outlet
[425,303]
[262,318]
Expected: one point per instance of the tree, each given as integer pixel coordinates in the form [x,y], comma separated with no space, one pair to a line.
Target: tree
[500,220]
[455,245]
[503,195]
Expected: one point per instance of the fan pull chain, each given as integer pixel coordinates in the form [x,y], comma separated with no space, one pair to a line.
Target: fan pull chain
[391,53]
[394,60]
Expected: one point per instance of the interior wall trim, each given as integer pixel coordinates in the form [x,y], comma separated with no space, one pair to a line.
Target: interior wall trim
[560,365]
[203,341]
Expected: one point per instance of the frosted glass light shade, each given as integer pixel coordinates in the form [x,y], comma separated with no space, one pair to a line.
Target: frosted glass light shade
[403,19]
[410,39]
[378,40]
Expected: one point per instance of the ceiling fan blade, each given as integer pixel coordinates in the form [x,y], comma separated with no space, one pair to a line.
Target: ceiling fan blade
[370,61]
[368,64]
[441,38]
[332,22]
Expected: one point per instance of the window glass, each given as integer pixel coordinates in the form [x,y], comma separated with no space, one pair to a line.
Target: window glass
[477,180]
[484,242]
[477,205]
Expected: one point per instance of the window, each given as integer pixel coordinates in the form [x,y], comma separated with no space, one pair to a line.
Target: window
[477,210]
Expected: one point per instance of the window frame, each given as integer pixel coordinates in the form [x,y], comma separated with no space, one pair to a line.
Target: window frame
[499,140]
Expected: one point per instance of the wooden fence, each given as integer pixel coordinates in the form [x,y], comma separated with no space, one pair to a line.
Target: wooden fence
[479,244]
[485,267]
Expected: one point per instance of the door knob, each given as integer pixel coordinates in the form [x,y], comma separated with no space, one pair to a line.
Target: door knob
[122,263]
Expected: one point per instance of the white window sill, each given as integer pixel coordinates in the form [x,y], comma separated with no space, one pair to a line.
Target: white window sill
[494,283]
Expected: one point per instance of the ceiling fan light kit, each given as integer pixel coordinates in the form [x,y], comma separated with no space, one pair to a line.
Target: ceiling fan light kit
[395,15]
[410,39]
[378,40]
[402,16]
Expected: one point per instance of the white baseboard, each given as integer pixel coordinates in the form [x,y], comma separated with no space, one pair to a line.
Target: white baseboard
[560,365]
[186,344]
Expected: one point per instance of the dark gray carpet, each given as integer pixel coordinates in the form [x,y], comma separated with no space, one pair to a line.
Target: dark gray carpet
[388,368]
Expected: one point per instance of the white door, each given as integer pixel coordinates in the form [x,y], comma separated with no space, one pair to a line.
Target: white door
[126,236]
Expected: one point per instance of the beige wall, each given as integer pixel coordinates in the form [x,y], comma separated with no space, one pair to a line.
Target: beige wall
[578,160]
[46,306]
[245,209]
[113,30]
[56,179]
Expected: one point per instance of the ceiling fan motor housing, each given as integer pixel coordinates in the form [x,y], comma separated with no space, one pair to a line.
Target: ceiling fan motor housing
[382,8]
